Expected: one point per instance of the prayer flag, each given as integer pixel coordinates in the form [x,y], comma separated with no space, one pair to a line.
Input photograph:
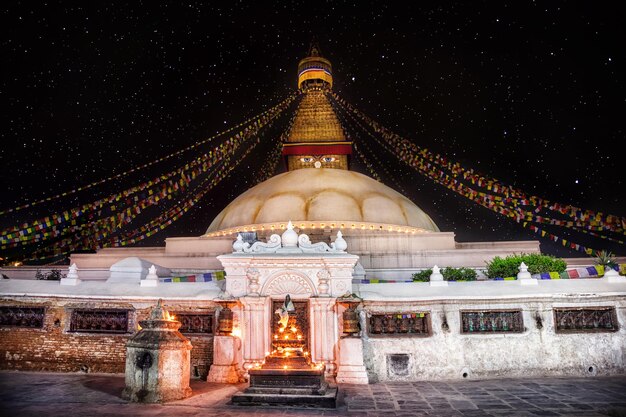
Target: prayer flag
[572,273]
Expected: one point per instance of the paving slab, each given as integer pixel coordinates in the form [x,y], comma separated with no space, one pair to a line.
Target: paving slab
[98,395]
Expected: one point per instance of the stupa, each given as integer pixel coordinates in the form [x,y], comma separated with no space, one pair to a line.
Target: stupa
[363,231]
[321,196]
[319,191]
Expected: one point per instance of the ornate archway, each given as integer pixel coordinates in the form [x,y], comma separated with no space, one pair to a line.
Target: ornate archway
[294,283]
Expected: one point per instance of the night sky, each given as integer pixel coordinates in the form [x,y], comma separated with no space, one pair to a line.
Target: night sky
[531,93]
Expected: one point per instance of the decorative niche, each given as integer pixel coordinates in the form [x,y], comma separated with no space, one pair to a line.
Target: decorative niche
[585,320]
[492,321]
[400,324]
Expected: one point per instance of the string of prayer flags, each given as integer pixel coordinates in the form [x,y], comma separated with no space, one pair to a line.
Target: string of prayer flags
[255,120]
[204,277]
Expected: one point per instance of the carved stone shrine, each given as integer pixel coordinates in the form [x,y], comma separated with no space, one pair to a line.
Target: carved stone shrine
[157,360]
[287,376]
[287,360]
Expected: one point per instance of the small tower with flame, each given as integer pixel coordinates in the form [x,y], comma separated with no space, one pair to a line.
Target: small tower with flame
[158,360]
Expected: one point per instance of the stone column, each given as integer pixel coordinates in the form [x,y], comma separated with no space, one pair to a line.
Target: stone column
[255,329]
[226,353]
[351,368]
[350,364]
[323,331]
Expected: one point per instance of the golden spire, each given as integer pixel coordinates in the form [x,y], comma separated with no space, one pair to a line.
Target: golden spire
[315,71]
[316,138]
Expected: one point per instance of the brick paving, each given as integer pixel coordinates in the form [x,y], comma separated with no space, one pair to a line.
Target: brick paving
[76,395]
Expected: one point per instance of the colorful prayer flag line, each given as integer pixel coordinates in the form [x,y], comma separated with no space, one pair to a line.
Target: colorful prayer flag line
[204,277]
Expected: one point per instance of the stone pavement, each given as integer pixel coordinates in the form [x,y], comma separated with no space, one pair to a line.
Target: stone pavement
[76,395]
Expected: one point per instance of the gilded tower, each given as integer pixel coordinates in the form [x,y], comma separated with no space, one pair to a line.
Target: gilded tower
[316,139]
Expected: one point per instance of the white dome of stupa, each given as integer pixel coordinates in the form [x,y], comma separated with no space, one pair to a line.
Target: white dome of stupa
[321,197]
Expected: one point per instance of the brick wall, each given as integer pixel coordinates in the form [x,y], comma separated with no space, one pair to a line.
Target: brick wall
[55,348]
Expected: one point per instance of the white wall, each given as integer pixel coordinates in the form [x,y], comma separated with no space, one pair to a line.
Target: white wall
[447,354]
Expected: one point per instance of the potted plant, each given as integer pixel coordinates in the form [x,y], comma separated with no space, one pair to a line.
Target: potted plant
[606,259]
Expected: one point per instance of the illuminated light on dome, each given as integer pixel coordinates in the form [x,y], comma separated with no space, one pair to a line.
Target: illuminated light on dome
[321,198]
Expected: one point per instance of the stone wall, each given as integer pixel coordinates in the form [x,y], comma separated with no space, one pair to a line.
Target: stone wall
[438,349]
[536,350]
[55,347]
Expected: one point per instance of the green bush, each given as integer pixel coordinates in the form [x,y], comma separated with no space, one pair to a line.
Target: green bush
[449,274]
[459,274]
[537,264]
[54,275]
[422,276]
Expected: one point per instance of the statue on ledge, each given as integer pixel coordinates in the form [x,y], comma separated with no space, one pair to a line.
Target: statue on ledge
[284,310]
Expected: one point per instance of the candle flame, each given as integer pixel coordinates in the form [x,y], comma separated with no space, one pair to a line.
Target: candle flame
[236,332]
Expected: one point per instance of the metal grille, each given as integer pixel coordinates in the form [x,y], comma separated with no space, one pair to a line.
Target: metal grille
[195,323]
[594,319]
[99,321]
[414,324]
[492,322]
[22,316]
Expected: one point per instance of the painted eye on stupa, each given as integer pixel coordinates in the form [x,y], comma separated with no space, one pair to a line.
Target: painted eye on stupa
[306,159]
[328,159]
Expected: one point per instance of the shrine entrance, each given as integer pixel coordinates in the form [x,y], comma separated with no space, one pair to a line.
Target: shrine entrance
[314,275]
[298,319]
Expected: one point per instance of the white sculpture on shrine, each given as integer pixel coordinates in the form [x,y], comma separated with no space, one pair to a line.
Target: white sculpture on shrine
[340,243]
[290,242]
[72,276]
[152,279]
[272,245]
[239,244]
[253,275]
[436,278]
[289,237]
[323,277]
[304,243]
[524,277]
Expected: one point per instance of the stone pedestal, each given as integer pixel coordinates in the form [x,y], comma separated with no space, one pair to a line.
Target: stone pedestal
[298,388]
[157,361]
[351,368]
[226,353]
